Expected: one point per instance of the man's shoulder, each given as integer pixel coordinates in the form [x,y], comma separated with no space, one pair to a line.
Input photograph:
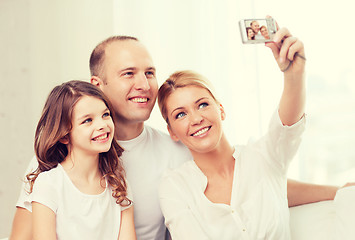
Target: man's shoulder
[157,136]
[53,175]
[186,173]
[33,164]
[166,147]
[186,177]
[156,132]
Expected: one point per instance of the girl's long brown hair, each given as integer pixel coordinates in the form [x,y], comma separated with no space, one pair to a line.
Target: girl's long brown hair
[56,123]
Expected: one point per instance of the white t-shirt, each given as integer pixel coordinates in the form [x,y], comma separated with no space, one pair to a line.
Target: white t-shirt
[145,159]
[25,188]
[259,36]
[258,209]
[78,215]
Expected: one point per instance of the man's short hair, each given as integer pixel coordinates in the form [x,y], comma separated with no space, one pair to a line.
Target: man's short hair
[97,56]
[253,22]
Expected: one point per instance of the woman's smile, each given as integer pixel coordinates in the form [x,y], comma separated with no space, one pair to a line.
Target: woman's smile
[201,132]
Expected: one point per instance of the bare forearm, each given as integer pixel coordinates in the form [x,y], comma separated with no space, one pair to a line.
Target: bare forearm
[127,230]
[44,222]
[293,99]
[299,193]
[289,54]
[21,225]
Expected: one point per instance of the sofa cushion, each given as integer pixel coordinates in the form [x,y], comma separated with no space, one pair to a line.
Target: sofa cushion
[344,204]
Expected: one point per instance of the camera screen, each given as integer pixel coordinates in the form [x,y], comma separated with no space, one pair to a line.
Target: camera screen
[258,30]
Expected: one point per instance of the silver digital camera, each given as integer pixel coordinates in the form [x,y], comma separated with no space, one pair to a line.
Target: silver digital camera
[257,30]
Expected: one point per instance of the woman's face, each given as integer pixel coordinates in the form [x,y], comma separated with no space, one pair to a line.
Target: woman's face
[195,118]
[251,33]
[264,32]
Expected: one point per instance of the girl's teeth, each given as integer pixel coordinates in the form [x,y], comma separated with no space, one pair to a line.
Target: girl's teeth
[100,137]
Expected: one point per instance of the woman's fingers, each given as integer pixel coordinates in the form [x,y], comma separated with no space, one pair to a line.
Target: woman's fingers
[275,48]
[291,48]
[281,34]
[285,46]
[287,49]
[296,49]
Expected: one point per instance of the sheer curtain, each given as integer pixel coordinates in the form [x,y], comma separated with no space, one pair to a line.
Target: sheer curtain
[327,155]
[203,35]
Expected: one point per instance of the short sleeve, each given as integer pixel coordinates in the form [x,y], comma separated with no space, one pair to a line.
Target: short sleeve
[25,188]
[44,192]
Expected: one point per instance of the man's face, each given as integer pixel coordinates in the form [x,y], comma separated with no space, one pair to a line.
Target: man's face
[255,26]
[129,80]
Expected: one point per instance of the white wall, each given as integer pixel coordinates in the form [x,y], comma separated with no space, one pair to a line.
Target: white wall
[43,43]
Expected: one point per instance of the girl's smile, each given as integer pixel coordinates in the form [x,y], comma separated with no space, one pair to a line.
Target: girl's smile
[101,138]
[92,126]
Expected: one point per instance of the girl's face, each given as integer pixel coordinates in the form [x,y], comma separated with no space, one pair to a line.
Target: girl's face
[93,128]
[195,118]
[250,33]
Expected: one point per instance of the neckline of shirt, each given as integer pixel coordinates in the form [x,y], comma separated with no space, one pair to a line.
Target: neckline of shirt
[205,181]
[130,144]
[76,189]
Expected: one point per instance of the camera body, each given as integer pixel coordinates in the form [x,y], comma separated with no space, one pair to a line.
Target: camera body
[257,30]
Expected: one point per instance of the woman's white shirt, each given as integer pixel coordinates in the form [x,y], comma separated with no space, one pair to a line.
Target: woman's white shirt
[78,215]
[258,209]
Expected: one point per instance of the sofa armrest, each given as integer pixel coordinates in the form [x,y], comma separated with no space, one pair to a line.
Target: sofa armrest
[312,221]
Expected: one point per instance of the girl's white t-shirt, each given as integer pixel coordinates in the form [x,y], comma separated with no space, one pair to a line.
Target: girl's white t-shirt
[78,215]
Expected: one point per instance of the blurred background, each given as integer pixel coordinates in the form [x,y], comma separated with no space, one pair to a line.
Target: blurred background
[44,43]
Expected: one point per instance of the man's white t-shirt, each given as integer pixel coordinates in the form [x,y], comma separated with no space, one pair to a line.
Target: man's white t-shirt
[78,215]
[145,159]
[258,207]
[258,36]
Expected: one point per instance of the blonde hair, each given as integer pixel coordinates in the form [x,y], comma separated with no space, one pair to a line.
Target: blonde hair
[181,79]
